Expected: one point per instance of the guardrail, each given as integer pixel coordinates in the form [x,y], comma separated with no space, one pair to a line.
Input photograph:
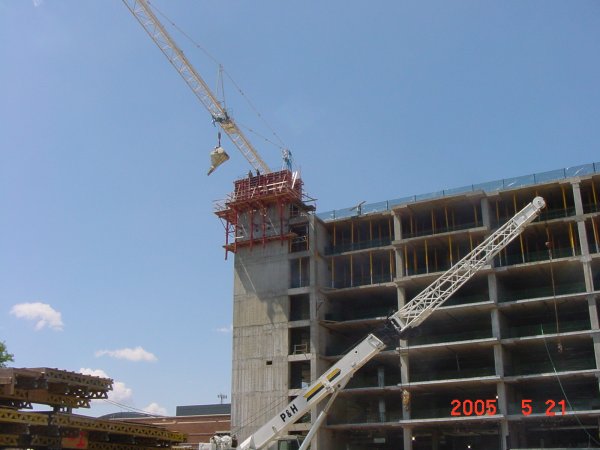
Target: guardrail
[491,186]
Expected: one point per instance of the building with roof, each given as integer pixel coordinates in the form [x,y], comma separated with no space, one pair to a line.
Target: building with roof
[512,360]
[198,422]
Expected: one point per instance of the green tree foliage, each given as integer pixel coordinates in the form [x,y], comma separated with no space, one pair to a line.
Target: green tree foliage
[4,355]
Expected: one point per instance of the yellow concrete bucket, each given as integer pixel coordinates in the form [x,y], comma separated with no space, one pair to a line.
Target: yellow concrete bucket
[217,157]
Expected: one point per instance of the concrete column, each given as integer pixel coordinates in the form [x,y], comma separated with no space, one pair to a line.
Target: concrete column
[381,376]
[504,438]
[499,360]
[382,415]
[593,310]
[583,241]
[485,212]
[407,434]
[596,340]
[404,377]
[401,296]
[399,261]
[493,287]
[398,256]
[397,227]
[502,398]
[498,323]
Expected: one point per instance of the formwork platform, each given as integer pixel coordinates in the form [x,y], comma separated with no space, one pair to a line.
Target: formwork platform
[19,388]
[64,390]
[259,209]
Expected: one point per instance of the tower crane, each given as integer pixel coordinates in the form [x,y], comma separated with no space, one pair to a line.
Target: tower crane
[157,32]
[399,325]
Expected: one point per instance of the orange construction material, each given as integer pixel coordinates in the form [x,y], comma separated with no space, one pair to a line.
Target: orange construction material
[254,197]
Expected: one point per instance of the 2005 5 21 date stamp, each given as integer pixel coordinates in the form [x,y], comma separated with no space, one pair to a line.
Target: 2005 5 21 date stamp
[489,407]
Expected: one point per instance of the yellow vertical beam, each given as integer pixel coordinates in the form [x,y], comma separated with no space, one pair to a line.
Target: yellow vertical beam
[371,266]
[333,271]
[432,221]
[572,238]
[475,215]
[450,249]
[564,197]
[594,193]
[549,239]
[446,216]
[515,203]
[415,260]
[471,242]
[391,264]
[497,213]
[522,247]
[405,260]
[595,229]
[426,258]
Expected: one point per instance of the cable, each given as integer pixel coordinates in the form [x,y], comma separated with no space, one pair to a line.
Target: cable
[549,247]
[131,408]
[222,70]
[583,427]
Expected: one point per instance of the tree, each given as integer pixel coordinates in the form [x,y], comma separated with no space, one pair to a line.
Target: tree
[4,355]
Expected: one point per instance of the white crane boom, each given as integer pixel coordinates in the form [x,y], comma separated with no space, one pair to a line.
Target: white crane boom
[430,298]
[156,31]
[405,319]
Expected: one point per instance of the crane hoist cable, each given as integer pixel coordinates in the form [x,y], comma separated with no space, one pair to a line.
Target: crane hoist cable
[222,71]
[155,29]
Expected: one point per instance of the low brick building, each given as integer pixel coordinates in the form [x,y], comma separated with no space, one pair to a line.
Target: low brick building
[198,422]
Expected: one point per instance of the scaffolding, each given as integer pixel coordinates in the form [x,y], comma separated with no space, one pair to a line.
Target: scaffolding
[260,208]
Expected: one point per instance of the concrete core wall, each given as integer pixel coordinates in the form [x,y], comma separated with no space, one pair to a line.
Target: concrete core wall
[260,336]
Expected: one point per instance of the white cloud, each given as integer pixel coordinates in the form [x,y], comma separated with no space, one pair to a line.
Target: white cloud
[130,354]
[120,392]
[38,3]
[155,409]
[228,329]
[42,313]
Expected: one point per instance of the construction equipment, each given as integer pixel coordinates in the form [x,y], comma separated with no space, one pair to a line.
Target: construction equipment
[142,12]
[398,326]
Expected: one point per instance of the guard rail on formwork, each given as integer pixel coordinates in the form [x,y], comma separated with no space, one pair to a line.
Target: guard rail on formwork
[280,193]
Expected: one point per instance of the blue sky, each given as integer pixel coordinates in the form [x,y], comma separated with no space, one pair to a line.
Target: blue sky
[107,232]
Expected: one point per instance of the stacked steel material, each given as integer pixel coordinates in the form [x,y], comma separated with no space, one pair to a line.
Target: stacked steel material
[59,428]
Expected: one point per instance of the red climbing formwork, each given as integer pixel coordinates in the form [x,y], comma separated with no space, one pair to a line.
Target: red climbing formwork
[259,209]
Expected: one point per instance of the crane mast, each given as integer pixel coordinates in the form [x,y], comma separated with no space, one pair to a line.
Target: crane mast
[400,324]
[144,15]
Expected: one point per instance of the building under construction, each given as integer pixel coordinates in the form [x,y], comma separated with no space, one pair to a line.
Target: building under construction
[511,361]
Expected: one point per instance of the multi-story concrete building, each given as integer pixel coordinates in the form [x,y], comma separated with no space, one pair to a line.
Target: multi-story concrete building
[512,360]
